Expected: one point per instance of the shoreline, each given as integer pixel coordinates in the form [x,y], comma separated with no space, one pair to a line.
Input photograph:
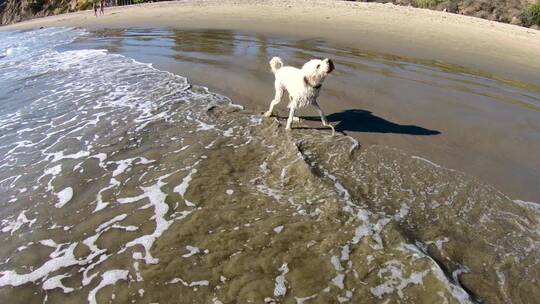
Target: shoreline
[499,49]
[466,145]
[164,190]
[378,100]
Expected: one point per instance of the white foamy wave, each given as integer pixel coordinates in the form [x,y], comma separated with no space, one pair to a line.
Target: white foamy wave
[76,104]
[529,205]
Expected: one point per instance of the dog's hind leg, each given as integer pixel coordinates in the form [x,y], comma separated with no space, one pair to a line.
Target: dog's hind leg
[295,119]
[323,117]
[276,100]
[291,116]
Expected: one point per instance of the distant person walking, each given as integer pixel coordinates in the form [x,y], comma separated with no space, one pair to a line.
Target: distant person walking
[102,8]
[95,8]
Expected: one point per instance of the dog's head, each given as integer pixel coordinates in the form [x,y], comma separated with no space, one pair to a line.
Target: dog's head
[316,70]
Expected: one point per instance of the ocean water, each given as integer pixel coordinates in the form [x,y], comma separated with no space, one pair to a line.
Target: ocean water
[124,183]
[455,116]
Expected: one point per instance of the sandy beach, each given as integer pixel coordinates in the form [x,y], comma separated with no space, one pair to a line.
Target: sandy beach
[492,47]
[469,142]
[129,172]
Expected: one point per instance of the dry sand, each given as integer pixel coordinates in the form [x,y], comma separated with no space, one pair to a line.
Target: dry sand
[502,49]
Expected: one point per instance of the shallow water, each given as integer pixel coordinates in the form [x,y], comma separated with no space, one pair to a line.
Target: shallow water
[459,118]
[124,183]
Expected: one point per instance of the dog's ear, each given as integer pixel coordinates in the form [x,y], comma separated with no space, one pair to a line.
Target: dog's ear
[310,79]
[331,66]
[306,81]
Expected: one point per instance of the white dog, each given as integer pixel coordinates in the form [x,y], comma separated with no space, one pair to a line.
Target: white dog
[303,86]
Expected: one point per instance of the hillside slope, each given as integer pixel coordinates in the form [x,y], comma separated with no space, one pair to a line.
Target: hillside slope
[12,11]
[507,11]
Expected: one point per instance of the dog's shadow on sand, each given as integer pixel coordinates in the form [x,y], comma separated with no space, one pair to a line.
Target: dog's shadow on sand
[355,120]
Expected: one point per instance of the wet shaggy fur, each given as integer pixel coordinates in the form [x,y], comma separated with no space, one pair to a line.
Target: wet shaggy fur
[303,86]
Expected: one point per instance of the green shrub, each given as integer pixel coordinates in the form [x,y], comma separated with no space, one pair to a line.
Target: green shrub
[84,4]
[58,7]
[36,5]
[427,3]
[531,15]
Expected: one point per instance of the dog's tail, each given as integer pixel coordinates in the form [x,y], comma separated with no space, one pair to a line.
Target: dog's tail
[276,63]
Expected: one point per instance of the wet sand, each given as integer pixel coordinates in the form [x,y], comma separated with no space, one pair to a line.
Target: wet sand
[502,49]
[124,183]
[442,112]
[490,140]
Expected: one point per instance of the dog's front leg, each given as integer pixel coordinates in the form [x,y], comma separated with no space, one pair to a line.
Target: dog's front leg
[323,118]
[291,116]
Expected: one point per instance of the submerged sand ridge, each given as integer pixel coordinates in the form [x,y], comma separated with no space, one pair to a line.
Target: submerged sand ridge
[179,195]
